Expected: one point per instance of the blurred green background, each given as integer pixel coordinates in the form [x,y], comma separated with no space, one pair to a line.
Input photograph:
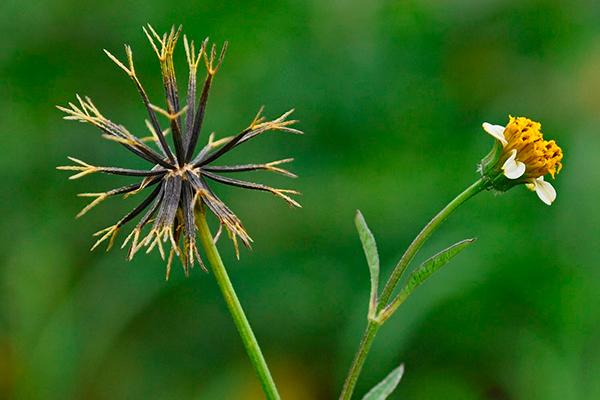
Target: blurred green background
[391,95]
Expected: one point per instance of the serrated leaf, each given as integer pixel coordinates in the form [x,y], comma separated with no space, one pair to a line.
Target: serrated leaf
[425,270]
[370,248]
[384,388]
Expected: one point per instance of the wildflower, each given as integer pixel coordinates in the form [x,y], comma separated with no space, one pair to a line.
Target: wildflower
[522,156]
[178,177]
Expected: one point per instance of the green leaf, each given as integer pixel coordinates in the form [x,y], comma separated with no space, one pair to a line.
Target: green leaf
[384,388]
[370,248]
[425,270]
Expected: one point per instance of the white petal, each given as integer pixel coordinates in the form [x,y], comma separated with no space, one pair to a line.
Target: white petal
[496,131]
[544,190]
[513,169]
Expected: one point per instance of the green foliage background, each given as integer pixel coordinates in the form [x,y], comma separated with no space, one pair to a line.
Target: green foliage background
[391,95]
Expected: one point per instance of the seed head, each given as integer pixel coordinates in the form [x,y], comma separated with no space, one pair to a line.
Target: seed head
[177,177]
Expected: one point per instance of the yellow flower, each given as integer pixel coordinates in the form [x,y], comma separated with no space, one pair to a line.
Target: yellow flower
[526,157]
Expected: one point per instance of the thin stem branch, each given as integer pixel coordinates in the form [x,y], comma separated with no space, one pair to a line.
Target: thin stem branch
[422,237]
[384,310]
[235,308]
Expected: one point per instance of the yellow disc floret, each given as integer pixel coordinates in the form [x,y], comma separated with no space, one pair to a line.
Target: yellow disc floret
[539,156]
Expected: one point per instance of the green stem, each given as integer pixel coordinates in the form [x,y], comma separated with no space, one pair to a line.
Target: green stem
[235,308]
[359,360]
[435,223]
[384,311]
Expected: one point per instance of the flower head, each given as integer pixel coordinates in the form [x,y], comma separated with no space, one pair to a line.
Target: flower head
[176,179]
[522,156]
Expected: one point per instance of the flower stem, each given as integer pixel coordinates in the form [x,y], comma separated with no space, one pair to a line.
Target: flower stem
[384,310]
[359,360]
[422,237]
[235,308]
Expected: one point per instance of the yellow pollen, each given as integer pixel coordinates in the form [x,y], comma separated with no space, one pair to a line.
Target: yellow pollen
[540,156]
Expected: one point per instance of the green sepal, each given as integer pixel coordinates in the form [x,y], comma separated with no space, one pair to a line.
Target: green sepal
[489,168]
[384,388]
[370,248]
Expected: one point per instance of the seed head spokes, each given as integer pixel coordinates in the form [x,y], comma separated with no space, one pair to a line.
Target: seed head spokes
[178,174]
